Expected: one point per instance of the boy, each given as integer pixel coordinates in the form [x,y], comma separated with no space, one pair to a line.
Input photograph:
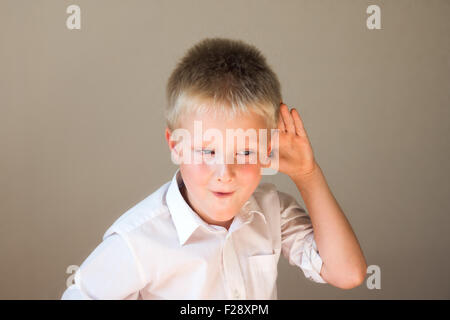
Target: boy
[214,232]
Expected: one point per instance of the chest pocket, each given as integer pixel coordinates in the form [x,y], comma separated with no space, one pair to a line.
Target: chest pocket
[262,275]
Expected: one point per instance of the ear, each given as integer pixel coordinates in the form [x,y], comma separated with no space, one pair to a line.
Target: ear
[174,153]
[265,160]
[168,134]
[269,148]
[271,143]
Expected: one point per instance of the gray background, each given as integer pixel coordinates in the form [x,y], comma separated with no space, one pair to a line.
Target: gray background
[82,129]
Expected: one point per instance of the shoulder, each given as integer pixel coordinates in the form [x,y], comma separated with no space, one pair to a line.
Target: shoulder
[265,188]
[144,211]
[269,193]
[265,197]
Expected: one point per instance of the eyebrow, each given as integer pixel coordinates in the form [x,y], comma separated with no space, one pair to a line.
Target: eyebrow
[249,143]
[248,147]
[204,143]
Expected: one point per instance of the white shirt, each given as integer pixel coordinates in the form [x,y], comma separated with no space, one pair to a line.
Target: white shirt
[162,249]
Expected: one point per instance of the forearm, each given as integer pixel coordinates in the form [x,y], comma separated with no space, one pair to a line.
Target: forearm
[344,264]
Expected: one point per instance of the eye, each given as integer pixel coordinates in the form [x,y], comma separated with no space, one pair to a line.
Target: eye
[245,153]
[206,151]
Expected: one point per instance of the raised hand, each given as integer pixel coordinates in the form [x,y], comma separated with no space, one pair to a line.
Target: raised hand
[295,154]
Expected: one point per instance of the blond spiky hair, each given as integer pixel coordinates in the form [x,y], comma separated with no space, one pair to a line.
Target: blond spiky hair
[226,75]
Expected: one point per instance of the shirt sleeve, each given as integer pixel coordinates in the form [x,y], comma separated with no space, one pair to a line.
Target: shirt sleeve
[110,272]
[297,238]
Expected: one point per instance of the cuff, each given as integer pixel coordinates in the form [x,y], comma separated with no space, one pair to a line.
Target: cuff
[311,262]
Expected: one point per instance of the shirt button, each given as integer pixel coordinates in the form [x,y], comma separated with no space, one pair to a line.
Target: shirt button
[236,294]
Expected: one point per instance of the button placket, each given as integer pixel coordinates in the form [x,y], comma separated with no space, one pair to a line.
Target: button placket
[232,270]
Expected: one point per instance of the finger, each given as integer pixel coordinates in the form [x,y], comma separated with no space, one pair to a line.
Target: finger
[287,118]
[299,128]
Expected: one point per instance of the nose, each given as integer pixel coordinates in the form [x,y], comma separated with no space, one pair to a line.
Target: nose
[224,173]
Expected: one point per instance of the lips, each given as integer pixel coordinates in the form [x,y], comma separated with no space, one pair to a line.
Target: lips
[222,194]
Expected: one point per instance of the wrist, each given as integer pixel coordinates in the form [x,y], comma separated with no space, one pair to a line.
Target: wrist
[307,175]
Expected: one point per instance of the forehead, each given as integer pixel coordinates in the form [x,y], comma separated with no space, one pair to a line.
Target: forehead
[222,121]
[216,128]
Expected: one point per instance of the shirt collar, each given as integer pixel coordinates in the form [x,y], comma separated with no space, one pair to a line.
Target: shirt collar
[187,220]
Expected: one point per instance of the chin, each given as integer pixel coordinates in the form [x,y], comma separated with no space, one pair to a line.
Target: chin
[225,216]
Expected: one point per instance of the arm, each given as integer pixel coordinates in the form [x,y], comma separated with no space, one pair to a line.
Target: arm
[297,238]
[109,273]
[344,265]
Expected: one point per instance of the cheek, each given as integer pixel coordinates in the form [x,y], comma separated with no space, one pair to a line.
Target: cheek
[195,174]
[249,175]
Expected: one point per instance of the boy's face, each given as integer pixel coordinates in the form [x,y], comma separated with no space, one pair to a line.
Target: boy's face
[222,181]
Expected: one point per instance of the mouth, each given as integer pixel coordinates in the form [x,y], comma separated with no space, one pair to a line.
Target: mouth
[222,194]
